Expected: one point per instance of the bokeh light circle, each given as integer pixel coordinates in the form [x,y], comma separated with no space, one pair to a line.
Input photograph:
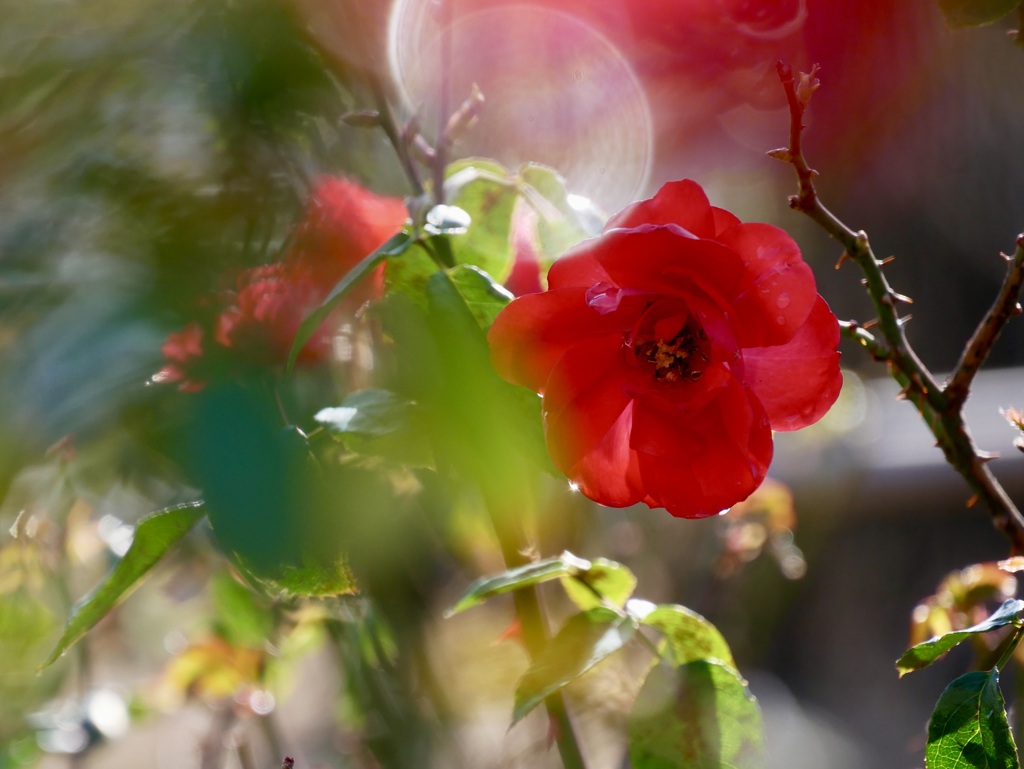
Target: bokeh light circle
[557,92]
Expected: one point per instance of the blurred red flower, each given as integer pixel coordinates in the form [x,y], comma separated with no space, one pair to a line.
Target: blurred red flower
[668,349]
[269,305]
[342,224]
[183,351]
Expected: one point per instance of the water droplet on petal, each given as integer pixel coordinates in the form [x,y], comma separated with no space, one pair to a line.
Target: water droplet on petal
[781,320]
[604,297]
[782,302]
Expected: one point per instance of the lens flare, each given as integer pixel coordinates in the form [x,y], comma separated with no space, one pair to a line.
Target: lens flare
[557,92]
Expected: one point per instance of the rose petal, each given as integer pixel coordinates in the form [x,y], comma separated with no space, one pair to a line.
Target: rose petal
[530,336]
[723,219]
[777,291]
[577,268]
[799,381]
[682,203]
[609,473]
[587,419]
[657,259]
[698,463]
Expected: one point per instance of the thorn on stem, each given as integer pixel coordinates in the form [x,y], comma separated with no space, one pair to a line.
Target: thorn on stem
[887,260]
[362,118]
[782,153]
[972,501]
[843,259]
[904,320]
[869,324]
[986,456]
[422,151]
[554,732]
[900,297]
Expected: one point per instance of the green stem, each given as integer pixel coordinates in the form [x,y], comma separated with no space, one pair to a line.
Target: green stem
[1011,647]
[512,541]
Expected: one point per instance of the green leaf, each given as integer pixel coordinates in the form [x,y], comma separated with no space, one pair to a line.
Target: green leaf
[563,219]
[379,423]
[408,276]
[564,565]
[488,193]
[688,636]
[242,620]
[974,13]
[371,412]
[968,727]
[485,423]
[484,298]
[395,246]
[466,171]
[606,580]
[154,536]
[925,653]
[696,716]
[311,578]
[586,639]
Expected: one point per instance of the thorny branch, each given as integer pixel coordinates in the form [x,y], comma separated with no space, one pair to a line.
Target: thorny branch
[940,407]
[985,336]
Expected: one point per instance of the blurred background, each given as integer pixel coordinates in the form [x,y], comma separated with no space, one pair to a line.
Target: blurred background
[147,150]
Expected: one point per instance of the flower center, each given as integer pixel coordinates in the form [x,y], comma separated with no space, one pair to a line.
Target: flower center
[682,357]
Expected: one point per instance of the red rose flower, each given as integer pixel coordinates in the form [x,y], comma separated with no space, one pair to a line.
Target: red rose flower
[668,349]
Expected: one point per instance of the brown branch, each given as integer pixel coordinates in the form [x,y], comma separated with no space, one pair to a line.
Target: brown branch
[988,331]
[396,135]
[856,245]
[941,410]
[214,744]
